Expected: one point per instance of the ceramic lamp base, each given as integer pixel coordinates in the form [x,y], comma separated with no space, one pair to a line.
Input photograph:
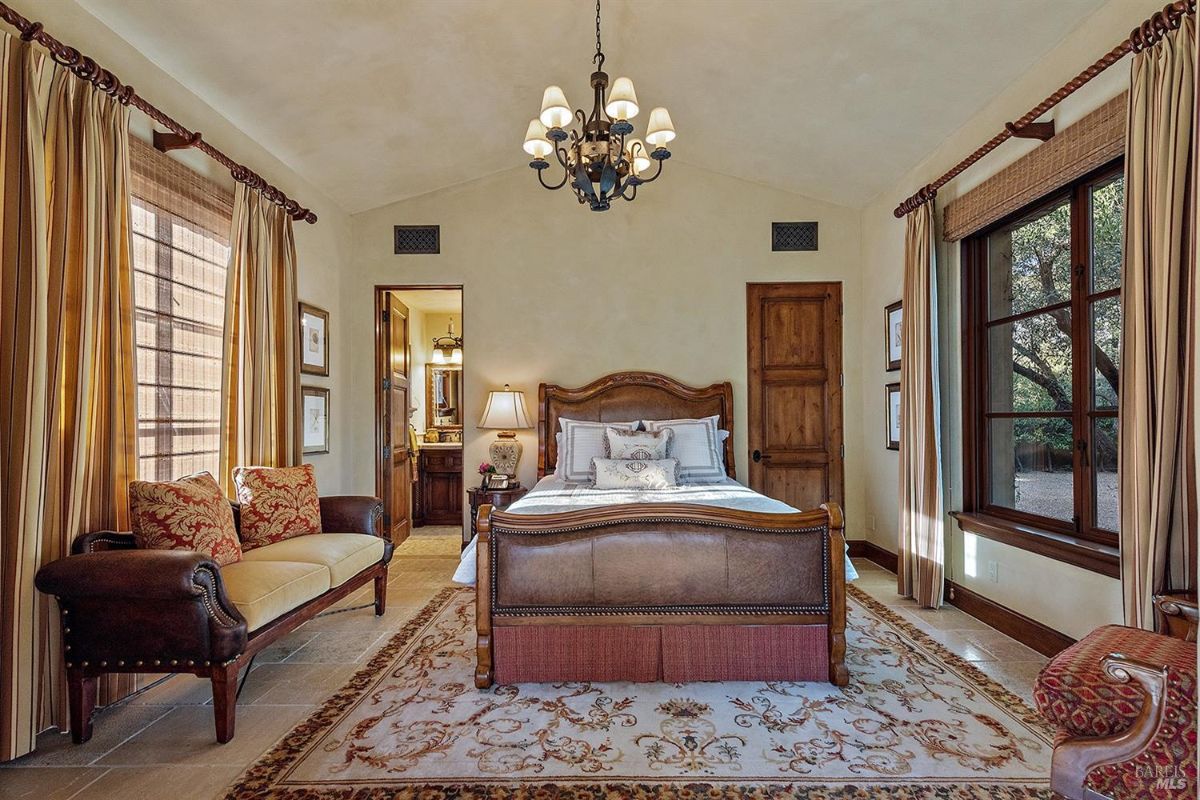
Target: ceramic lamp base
[505,453]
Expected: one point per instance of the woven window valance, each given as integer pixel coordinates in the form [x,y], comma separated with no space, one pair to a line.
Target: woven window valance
[1094,140]
[172,186]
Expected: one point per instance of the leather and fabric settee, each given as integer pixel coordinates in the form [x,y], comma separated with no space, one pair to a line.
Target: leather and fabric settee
[131,609]
[1124,703]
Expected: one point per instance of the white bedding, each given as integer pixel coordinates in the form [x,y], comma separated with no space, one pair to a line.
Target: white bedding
[552,495]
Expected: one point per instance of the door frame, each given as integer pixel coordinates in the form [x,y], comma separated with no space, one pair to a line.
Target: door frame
[836,385]
[381,348]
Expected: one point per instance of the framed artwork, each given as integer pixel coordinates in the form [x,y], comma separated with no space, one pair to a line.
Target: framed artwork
[893,316]
[892,393]
[316,419]
[314,340]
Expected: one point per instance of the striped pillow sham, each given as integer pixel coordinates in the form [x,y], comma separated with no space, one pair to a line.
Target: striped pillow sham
[582,441]
[697,444]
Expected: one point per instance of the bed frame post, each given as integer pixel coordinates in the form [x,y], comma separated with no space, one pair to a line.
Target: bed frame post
[838,675]
[483,598]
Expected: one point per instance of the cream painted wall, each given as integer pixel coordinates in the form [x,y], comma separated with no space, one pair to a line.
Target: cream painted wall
[556,293]
[323,249]
[1064,597]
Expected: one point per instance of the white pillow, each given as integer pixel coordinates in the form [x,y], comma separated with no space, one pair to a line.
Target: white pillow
[581,442]
[634,473]
[626,444]
[697,444]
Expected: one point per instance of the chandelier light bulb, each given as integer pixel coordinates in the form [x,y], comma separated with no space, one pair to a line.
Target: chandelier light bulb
[660,131]
[536,143]
[439,357]
[622,100]
[639,156]
[556,112]
[456,357]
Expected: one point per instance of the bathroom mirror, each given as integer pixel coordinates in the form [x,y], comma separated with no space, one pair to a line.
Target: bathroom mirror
[443,397]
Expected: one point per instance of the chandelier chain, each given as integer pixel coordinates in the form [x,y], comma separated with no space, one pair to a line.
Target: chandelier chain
[599,57]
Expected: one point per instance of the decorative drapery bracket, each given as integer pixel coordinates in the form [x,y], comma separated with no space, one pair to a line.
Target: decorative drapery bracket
[1042,131]
[173,141]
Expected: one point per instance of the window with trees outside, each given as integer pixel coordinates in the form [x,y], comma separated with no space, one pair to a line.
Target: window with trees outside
[1041,365]
[181,226]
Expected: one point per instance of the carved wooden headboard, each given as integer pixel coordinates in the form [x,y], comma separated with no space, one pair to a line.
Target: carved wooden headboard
[627,396]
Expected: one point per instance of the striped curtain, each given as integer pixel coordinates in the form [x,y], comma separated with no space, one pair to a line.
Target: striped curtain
[260,393]
[921,552]
[67,418]
[1157,406]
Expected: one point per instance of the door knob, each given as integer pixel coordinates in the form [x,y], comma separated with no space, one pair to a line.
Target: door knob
[758,456]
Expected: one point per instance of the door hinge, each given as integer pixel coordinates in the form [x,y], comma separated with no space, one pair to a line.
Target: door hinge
[841,379]
[842,450]
[385,315]
[387,452]
[387,384]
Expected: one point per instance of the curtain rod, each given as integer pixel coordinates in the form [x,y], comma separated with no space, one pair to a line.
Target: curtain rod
[1145,35]
[179,137]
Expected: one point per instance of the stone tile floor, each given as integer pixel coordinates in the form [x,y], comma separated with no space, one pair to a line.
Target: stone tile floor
[159,744]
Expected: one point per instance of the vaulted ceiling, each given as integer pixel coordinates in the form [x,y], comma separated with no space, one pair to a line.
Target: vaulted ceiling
[378,100]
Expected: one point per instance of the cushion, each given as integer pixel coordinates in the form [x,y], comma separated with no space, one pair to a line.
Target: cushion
[696,445]
[635,473]
[621,443]
[191,513]
[344,554]
[581,442]
[277,503]
[1074,693]
[266,590]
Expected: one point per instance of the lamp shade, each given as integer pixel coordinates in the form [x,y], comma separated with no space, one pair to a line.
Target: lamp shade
[622,100]
[660,130]
[639,156]
[505,410]
[555,111]
[536,143]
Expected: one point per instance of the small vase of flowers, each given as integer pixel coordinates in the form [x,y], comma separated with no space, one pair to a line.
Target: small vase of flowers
[486,469]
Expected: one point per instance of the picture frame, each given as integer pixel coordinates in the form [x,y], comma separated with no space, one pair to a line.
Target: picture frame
[314,403]
[314,340]
[892,414]
[497,481]
[893,319]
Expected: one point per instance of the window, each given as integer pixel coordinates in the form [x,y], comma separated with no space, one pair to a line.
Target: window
[1043,311]
[181,227]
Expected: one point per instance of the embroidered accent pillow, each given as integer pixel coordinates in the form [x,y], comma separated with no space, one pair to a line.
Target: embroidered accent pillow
[697,445]
[191,513]
[625,444]
[581,442]
[635,473]
[277,503]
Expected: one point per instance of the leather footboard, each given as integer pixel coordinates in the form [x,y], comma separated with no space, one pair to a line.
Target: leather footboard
[671,653]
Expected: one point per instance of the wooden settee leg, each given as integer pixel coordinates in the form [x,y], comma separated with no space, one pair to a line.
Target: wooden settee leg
[81,698]
[381,592]
[224,689]
[483,598]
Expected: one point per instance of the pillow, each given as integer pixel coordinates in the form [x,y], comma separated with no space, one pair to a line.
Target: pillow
[697,446]
[635,473]
[277,503]
[581,442]
[188,514]
[625,444]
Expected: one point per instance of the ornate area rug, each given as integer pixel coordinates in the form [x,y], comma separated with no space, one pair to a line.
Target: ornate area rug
[916,721]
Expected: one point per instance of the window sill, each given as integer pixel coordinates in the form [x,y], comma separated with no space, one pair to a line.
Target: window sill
[1060,547]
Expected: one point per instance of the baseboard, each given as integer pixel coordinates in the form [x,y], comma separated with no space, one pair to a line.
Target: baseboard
[1028,632]
[861,548]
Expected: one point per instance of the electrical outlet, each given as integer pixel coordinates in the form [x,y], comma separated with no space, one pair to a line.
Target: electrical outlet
[993,572]
[870,522]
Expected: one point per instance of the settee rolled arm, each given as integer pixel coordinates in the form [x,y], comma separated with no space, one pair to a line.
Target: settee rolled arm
[352,514]
[149,608]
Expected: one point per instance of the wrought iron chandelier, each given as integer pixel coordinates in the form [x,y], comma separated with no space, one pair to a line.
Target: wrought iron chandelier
[600,163]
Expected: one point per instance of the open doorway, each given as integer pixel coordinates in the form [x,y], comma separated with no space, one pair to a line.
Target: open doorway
[419,355]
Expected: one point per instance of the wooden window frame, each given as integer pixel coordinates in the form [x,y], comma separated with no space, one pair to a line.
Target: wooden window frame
[1075,542]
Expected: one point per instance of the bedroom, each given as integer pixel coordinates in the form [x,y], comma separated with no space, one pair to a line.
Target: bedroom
[828,113]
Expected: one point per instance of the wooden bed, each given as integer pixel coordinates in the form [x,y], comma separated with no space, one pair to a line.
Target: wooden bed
[656,592]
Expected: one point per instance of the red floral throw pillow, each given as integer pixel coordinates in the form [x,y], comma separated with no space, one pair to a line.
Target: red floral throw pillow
[188,514]
[277,503]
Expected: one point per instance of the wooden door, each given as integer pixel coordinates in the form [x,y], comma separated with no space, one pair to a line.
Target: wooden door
[794,352]
[392,424]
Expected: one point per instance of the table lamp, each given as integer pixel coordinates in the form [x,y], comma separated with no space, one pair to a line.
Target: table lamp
[505,412]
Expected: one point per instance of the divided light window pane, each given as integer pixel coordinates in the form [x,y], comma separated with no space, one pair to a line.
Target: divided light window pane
[1031,466]
[179,290]
[1030,363]
[1029,263]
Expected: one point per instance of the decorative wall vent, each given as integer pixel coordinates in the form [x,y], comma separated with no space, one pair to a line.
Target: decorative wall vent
[418,239]
[793,236]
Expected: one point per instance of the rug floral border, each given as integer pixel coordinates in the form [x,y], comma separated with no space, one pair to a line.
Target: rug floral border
[256,782]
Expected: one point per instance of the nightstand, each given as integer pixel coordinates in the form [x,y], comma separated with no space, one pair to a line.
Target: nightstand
[498,498]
